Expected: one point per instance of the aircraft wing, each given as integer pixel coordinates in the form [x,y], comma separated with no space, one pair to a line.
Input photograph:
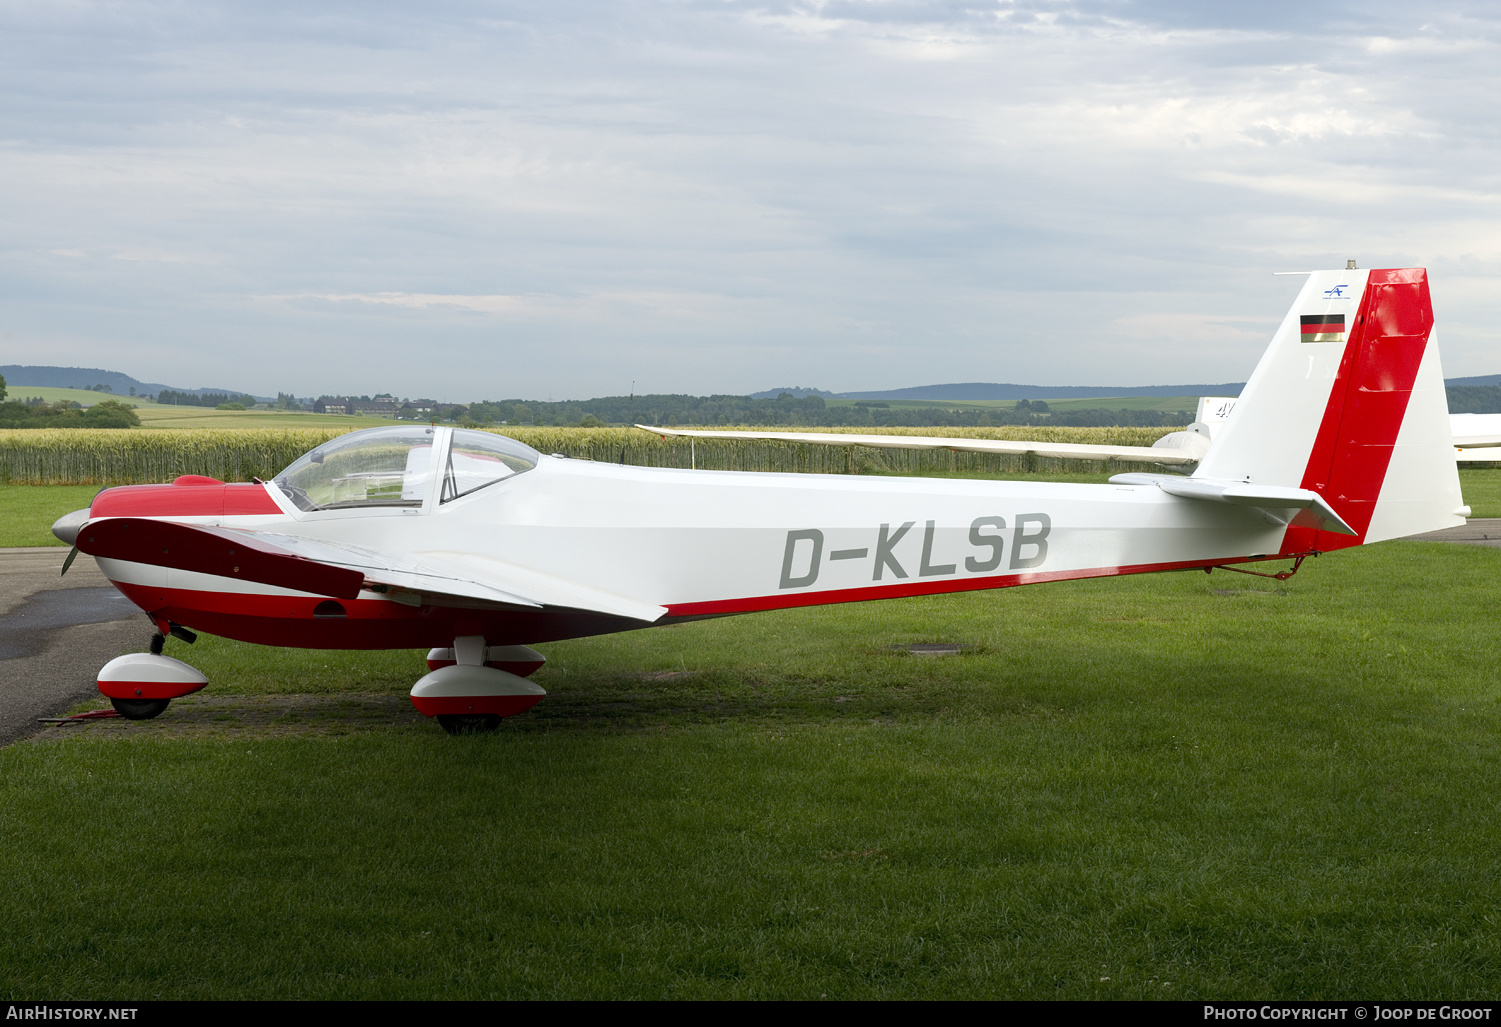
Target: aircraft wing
[340,570]
[1476,436]
[1168,454]
[1473,433]
[1475,430]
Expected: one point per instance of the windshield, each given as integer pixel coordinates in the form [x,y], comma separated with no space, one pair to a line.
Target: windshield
[480,458]
[375,467]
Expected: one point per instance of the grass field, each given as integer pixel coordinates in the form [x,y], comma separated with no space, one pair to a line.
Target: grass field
[83,397]
[1178,786]
[153,416]
[1481,487]
[27,511]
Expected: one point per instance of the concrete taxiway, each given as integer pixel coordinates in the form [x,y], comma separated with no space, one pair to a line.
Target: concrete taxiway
[55,634]
[1477,531]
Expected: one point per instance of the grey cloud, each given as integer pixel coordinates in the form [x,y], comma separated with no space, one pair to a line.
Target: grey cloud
[714,196]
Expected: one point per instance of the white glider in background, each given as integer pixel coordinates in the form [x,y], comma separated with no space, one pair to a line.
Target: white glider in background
[1176,453]
[1180,449]
[1473,436]
[475,546]
[1476,436]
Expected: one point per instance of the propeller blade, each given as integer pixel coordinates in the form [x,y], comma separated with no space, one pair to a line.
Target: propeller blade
[72,555]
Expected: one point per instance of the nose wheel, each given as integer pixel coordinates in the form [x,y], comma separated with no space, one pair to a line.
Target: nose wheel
[139,709]
[140,686]
[467,723]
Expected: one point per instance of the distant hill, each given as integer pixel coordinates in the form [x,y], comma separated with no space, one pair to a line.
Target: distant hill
[970,391]
[21,376]
[24,375]
[795,391]
[993,390]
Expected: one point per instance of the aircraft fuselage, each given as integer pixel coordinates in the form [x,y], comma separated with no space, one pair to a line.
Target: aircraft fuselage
[700,543]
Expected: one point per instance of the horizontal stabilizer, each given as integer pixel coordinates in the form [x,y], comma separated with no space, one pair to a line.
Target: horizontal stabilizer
[1004,447]
[1267,498]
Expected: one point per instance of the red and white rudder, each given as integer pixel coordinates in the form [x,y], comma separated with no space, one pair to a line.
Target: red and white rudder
[1349,402]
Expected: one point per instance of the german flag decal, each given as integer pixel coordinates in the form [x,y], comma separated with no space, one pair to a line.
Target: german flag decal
[1323,327]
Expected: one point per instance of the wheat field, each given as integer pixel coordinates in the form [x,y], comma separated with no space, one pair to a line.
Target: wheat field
[75,457]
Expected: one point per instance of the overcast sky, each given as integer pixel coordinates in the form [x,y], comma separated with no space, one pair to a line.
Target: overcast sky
[491,200]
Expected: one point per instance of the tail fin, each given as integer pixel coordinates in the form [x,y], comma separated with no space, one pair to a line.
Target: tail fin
[1349,401]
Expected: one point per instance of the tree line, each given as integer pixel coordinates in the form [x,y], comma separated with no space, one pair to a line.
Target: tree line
[1474,399]
[171,397]
[813,411]
[785,410]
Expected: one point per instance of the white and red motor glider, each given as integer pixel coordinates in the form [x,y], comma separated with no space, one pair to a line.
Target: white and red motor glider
[474,546]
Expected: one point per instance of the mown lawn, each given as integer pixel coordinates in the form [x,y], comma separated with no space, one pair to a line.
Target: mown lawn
[1183,786]
[27,511]
[1482,490]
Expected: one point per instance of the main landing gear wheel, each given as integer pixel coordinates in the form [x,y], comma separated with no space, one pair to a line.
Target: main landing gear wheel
[463,723]
[139,709]
[470,698]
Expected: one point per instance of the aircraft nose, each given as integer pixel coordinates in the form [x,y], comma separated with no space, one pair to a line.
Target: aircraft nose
[67,526]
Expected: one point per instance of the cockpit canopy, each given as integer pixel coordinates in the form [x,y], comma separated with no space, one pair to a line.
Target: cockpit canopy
[480,458]
[396,467]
